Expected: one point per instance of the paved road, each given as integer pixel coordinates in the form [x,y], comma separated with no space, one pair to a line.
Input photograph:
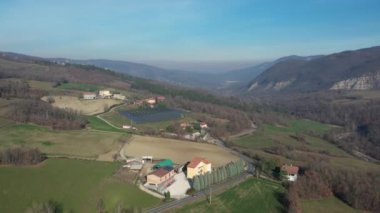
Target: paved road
[215,189]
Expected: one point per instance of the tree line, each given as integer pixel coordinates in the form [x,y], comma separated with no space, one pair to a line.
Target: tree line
[18,89]
[218,175]
[359,190]
[42,113]
[21,156]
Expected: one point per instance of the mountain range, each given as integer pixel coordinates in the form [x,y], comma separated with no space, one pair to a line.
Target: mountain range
[226,81]
[348,70]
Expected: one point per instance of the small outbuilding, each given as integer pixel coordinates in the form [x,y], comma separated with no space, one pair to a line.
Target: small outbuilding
[291,172]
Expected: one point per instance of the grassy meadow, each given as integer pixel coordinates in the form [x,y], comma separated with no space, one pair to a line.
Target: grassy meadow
[274,136]
[253,195]
[76,184]
[331,204]
[87,144]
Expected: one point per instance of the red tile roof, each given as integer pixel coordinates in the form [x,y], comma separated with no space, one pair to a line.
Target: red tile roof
[290,170]
[194,163]
[161,172]
[89,93]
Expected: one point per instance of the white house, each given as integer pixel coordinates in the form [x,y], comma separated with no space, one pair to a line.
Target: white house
[291,172]
[89,95]
[198,166]
[105,93]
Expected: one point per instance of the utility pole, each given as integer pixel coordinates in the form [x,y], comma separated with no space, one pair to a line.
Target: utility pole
[210,193]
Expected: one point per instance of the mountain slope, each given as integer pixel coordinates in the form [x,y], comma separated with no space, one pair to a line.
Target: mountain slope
[358,69]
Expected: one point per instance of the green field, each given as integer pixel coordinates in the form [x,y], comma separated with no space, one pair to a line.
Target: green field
[253,195]
[76,184]
[331,204]
[271,136]
[81,87]
[74,143]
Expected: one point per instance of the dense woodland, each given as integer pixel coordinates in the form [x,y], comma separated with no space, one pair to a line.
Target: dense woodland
[43,113]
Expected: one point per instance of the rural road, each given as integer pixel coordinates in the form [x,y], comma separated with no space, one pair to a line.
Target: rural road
[215,189]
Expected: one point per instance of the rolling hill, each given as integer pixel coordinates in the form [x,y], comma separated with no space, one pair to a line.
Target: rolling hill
[348,70]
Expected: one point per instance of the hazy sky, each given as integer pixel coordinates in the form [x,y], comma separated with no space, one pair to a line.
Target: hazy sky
[204,31]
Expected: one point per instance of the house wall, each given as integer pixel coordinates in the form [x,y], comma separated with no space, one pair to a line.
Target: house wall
[201,169]
[291,177]
[89,97]
[153,179]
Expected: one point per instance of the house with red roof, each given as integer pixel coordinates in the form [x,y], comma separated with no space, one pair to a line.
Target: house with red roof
[198,166]
[291,172]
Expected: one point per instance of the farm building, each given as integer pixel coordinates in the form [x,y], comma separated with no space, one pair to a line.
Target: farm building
[105,93]
[290,171]
[198,166]
[118,96]
[135,165]
[164,163]
[160,176]
[89,95]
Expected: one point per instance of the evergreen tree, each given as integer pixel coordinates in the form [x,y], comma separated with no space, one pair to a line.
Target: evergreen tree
[210,179]
[196,183]
[205,180]
[214,176]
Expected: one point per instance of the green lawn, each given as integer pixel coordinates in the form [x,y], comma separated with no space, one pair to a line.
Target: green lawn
[76,143]
[272,136]
[98,124]
[253,195]
[332,204]
[76,184]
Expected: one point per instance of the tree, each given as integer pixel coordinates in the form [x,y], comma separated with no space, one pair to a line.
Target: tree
[202,181]
[46,207]
[100,206]
[50,100]
[205,180]
[196,183]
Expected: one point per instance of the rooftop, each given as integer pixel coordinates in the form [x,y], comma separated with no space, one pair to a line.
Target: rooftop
[194,163]
[161,172]
[291,170]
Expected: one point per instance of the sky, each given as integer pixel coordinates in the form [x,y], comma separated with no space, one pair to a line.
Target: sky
[187,34]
